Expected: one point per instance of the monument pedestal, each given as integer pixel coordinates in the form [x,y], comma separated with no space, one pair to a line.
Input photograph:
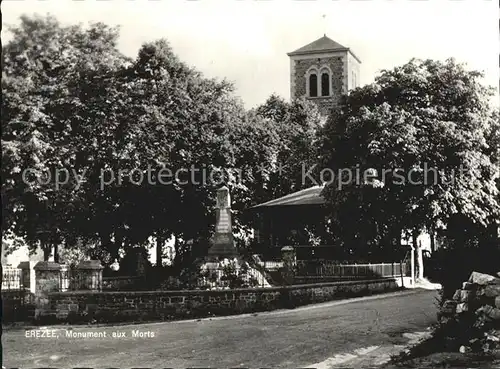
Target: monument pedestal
[222,245]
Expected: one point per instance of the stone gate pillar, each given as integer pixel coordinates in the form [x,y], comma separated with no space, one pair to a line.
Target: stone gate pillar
[28,278]
[289,264]
[89,275]
[48,279]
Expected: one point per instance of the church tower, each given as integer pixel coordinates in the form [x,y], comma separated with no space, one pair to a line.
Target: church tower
[323,71]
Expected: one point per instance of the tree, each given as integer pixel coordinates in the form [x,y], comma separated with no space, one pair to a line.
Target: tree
[44,65]
[74,102]
[427,129]
[296,124]
[188,127]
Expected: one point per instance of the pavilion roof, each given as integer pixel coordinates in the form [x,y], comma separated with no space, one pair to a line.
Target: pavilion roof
[308,196]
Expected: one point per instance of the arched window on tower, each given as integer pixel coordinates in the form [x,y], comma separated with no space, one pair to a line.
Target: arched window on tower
[325,84]
[313,85]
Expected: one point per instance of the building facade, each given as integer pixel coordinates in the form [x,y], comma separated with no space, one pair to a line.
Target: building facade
[322,72]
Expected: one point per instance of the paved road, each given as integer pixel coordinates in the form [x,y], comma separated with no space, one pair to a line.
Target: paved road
[321,336]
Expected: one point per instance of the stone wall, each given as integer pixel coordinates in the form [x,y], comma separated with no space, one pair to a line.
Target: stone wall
[17,305]
[327,279]
[336,64]
[353,66]
[85,306]
[122,283]
[474,313]
[481,293]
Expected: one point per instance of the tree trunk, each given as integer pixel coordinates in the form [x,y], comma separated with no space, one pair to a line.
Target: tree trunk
[398,239]
[159,251]
[414,236]
[56,253]
[433,240]
[46,251]
[177,256]
[419,275]
[395,239]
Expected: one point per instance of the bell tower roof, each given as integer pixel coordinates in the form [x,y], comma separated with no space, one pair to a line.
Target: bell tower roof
[323,44]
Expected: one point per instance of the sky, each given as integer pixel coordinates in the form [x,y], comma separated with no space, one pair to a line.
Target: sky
[246,41]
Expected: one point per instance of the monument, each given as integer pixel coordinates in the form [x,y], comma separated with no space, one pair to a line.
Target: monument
[223,253]
[222,245]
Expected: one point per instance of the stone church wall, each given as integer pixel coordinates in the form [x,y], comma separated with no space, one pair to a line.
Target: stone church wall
[336,64]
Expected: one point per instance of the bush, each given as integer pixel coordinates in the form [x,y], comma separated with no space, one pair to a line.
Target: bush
[230,274]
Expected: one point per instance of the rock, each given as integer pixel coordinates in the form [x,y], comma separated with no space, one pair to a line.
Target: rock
[496,354]
[497,302]
[468,286]
[481,310]
[464,349]
[449,307]
[483,279]
[491,337]
[462,308]
[444,319]
[492,291]
[494,314]
[489,312]
[473,342]
[466,295]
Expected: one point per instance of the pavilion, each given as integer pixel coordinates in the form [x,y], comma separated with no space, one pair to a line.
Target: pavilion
[286,220]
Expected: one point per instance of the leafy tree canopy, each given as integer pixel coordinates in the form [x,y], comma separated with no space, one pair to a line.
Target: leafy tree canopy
[428,132]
